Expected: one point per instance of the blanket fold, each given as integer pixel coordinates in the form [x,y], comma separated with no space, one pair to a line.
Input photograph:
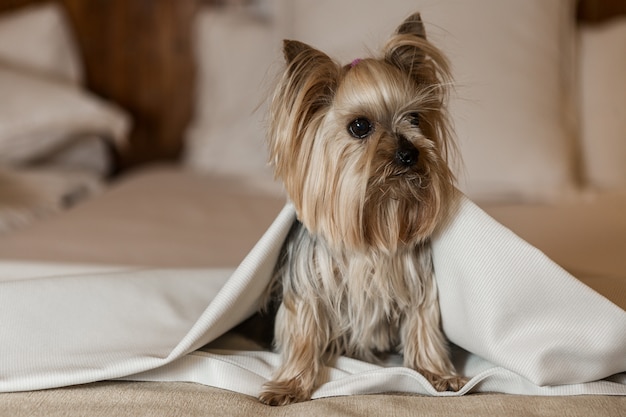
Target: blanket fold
[522,324]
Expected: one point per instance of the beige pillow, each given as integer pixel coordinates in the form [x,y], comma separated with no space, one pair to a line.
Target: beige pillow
[512,63]
[38,116]
[235,50]
[37,38]
[603,104]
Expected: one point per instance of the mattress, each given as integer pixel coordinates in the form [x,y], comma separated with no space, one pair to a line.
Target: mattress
[160,217]
[167,217]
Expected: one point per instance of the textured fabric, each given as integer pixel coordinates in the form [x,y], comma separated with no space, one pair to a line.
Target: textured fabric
[585,235]
[519,314]
[505,301]
[174,399]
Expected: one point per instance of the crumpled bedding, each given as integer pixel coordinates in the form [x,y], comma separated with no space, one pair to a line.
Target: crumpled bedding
[522,324]
[28,194]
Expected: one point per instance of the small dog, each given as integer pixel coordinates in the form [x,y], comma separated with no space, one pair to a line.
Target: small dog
[362,150]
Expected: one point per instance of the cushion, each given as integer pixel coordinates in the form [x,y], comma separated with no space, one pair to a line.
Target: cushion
[37,38]
[39,115]
[227,134]
[603,104]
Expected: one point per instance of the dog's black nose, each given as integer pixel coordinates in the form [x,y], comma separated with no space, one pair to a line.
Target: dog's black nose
[407,154]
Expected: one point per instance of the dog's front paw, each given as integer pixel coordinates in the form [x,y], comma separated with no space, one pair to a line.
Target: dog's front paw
[445,383]
[284,392]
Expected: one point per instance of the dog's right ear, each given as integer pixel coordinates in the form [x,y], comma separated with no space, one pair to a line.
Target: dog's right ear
[413,25]
[409,50]
[408,46]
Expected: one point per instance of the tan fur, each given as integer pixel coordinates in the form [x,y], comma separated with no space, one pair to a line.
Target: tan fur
[356,275]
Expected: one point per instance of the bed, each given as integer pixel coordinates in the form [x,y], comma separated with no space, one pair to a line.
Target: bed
[120,163]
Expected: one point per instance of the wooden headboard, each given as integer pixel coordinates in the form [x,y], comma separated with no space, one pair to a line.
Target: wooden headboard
[595,11]
[138,53]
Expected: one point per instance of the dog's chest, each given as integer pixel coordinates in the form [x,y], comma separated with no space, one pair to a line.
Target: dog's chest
[363,298]
[375,297]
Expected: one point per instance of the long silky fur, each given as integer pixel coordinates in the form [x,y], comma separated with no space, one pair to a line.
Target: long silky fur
[360,302]
[355,275]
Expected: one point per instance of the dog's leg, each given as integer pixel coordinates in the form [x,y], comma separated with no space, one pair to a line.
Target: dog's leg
[302,341]
[425,347]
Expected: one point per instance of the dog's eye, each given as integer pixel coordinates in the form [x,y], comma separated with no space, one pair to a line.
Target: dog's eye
[414,119]
[360,128]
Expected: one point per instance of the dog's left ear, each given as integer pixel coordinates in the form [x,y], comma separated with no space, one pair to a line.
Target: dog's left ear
[413,25]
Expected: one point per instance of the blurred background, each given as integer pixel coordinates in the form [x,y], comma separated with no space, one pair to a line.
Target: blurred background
[95,89]
[189,75]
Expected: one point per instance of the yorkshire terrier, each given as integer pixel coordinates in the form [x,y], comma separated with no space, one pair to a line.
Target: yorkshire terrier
[363,151]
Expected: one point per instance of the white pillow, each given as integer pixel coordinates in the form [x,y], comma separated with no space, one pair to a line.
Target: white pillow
[235,50]
[603,104]
[37,38]
[38,116]
[512,63]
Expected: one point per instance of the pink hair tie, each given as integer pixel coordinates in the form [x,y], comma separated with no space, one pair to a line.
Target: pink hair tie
[356,61]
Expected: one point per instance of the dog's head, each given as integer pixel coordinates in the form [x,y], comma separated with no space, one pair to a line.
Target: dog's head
[363,148]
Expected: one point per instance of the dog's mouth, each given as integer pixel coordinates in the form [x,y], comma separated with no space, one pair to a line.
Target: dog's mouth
[405,170]
[403,203]
[398,210]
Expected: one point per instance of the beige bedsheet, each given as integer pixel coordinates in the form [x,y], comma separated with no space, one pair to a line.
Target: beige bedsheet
[162,217]
[152,399]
